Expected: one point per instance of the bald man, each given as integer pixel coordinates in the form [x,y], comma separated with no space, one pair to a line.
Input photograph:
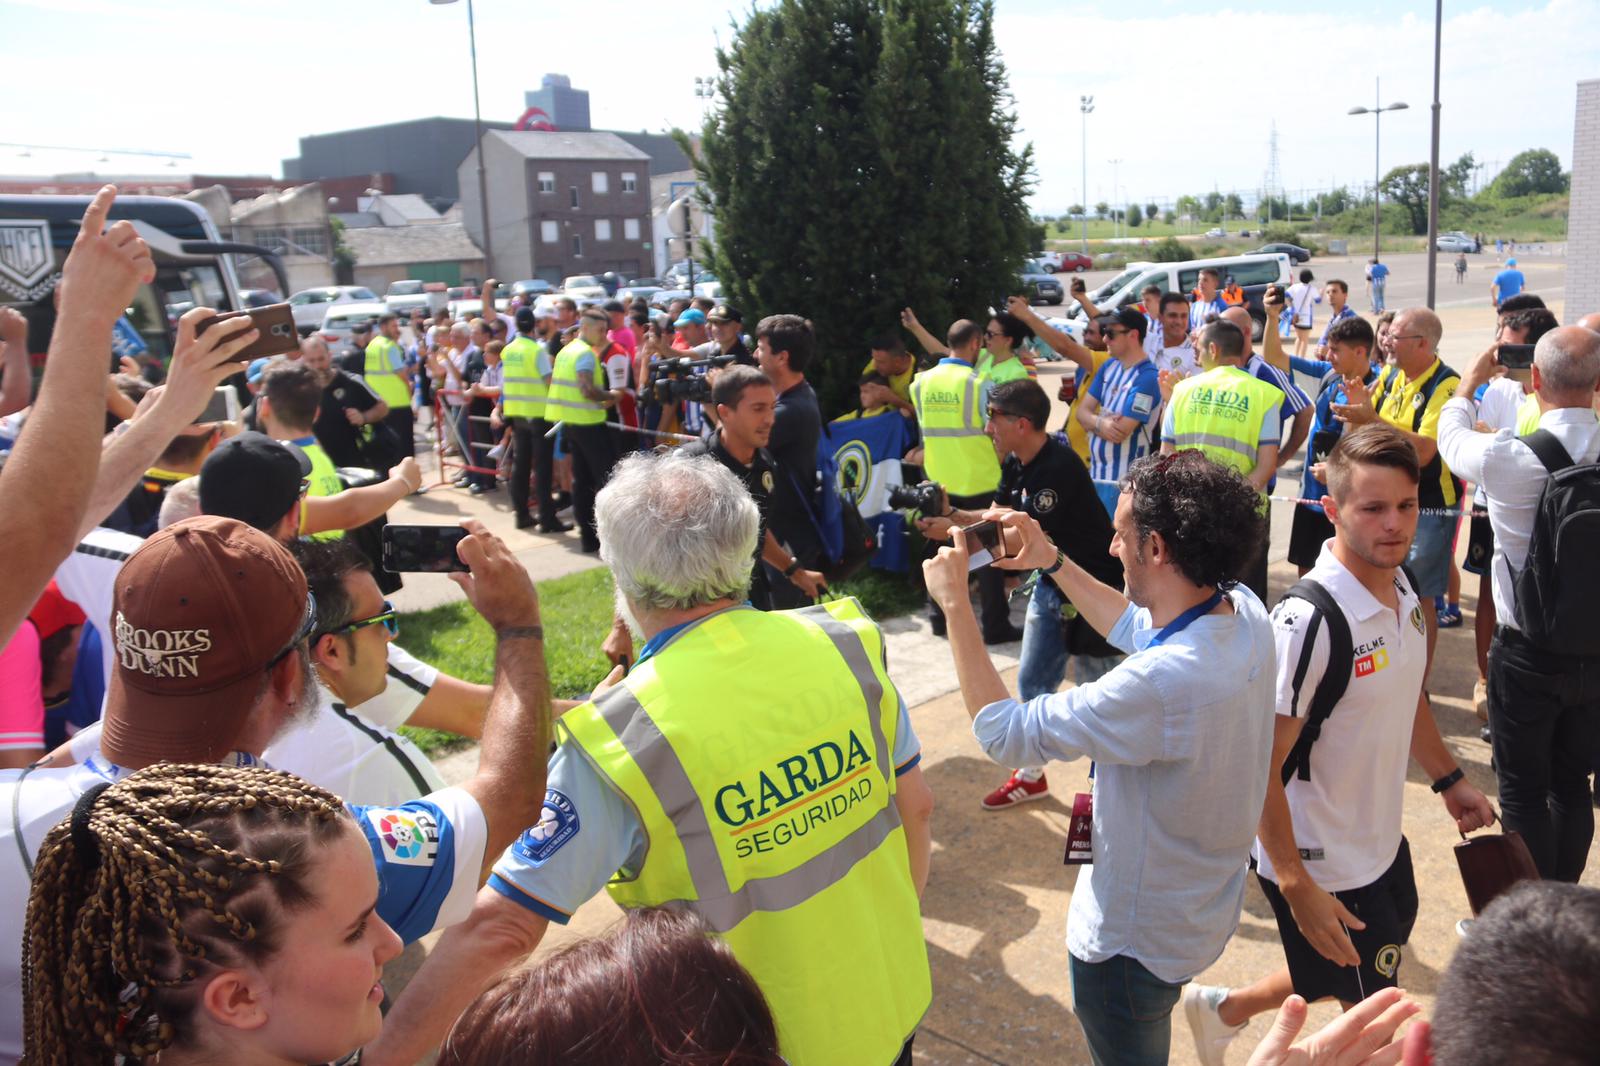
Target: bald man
[1297,406]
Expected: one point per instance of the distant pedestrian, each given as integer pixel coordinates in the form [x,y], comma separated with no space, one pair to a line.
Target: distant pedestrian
[1377,279]
[1507,283]
[1302,311]
[1461,268]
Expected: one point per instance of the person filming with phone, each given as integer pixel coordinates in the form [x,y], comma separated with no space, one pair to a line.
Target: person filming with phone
[1180,734]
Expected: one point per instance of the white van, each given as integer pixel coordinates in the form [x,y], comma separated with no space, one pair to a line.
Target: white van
[1253,273]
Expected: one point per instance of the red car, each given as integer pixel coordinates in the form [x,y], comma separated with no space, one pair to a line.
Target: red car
[1054,262]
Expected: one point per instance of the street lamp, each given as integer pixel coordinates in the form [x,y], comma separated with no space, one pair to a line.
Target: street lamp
[1377,123]
[1085,105]
[477,129]
[1116,230]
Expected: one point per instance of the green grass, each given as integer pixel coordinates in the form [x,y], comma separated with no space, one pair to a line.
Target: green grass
[576,611]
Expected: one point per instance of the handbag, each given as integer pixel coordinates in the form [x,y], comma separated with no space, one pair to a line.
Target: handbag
[1491,863]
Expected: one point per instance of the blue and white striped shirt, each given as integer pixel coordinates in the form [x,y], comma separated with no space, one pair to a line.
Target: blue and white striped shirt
[1133,392]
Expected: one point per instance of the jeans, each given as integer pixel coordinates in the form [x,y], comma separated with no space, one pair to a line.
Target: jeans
[1044,648]
[532,454]
[1125,1011]
[1377,295]
[1544,724]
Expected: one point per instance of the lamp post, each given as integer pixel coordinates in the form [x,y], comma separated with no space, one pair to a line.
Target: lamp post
[1433,161]
[477,130]
[1085,105]
[1377,124]
[1116,229]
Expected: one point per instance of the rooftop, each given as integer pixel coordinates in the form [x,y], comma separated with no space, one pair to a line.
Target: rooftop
[560,145]
[435,242]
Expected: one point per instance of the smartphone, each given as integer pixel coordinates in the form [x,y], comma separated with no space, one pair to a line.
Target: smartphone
[422,549]
[1515,356]
[984,544]
[275,322]
[222,407]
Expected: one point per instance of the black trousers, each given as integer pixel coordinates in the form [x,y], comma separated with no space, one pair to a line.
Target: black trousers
[403,421]
[994,612]
[532,453]
[1544,721]
[1253,575]
[593,451]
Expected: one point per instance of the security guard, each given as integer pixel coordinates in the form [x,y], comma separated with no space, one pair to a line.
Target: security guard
[951,399]
[579,404]
[522,403]
[1232,417]
[385,370]
[757,769]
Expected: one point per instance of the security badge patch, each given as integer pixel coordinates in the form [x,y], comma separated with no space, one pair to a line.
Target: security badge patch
[1416,618]
[1387,961]
[558,823]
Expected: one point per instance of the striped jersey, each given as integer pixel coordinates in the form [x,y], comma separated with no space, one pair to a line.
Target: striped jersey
[1130,391]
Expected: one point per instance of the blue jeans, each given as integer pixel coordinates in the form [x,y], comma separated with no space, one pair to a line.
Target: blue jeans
[1125,1011]
[1044,648]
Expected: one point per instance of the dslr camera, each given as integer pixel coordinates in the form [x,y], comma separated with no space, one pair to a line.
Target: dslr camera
[927,498]
[672,380]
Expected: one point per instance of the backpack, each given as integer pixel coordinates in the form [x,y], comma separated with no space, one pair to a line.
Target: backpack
[1556,588]
[1331,688]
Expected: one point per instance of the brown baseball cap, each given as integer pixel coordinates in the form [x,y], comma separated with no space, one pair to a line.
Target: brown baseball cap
[200,613]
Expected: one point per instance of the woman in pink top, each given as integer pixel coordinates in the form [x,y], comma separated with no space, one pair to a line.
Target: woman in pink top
[36,671]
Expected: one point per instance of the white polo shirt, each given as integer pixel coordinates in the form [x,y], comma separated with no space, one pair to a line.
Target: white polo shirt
[1347,816]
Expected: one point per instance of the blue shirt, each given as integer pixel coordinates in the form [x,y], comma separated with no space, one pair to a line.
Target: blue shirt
[1378,272]
[1510,282]
[1132,392]
[1181,735]
[1200,310]
[1294,398]
[1344,312]
[1331,392]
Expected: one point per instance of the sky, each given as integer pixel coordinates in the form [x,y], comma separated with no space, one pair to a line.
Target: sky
[1186,99]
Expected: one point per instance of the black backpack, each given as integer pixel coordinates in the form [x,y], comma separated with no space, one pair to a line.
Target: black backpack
[1335,679]
[1557,587]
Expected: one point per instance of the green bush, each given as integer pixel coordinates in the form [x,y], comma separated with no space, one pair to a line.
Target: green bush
[1167,250]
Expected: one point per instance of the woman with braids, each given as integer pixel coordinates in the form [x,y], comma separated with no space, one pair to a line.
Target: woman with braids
[203,914]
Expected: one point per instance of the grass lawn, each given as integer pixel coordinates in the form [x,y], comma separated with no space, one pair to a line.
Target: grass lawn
[576,610]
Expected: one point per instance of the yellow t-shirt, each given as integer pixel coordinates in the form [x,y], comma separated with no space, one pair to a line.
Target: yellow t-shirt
[1400,404]
[1077,436]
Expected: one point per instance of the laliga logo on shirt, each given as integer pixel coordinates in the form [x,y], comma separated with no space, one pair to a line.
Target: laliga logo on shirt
[161,652]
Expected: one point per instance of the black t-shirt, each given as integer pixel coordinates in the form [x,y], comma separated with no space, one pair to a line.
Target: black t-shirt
[333,430]
[1056,491]
[760,479]
[796,429]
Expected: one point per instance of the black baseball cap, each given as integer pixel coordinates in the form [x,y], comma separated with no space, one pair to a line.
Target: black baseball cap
[525,319]
[613,307]
[253,478]
[724,313]
[1130,318]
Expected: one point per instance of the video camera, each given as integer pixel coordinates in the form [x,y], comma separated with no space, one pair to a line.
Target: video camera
[672,380]
[927,498]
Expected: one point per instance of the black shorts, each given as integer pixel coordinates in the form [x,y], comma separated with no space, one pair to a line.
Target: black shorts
[1480,545]
[1388,906]
[1307,535]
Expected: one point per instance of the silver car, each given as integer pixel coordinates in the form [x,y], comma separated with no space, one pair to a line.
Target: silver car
[310,306]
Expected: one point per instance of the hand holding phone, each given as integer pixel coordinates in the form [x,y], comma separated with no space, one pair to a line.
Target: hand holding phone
[423,549]
[274,325]
[985,542]
[1515,356]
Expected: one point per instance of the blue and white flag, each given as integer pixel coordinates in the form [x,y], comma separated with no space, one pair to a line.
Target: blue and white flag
[867,453]
[125,340]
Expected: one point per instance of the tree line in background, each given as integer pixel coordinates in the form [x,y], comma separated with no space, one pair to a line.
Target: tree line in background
[862,162]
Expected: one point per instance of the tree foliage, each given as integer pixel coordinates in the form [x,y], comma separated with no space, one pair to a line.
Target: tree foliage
[862,161]
[1537,170]
[1135,215]
[1408,186]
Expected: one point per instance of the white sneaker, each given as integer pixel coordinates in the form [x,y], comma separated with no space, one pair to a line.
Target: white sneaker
[1211,1034]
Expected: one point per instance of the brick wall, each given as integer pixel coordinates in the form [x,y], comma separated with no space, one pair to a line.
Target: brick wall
[1583,224]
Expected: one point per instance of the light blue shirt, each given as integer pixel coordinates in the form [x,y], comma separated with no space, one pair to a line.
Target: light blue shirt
[1181,735]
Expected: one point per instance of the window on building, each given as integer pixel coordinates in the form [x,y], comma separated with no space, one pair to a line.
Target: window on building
[573,190]
[602,182]
[550,232]
[630,182]
[630,229]
[602,229]
[547,181]
[577,246]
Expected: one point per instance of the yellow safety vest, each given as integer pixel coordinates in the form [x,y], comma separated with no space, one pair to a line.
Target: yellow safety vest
[1528,415]
[1219,413]
[380,373]
[757,750]
[522,390]
[999,373]
[565,402]
[955,450]
[325,481]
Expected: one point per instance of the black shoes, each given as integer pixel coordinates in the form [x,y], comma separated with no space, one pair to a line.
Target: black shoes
[555,525]
[524,521]
[1008,635]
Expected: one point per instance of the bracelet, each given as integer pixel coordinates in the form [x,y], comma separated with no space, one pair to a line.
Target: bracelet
[794,564]
[534,632]
[1061,560]
[1448,780]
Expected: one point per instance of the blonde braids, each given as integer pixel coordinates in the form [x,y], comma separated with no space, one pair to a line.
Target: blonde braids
[151,883]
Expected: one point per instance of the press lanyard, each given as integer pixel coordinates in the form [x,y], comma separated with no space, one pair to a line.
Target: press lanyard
[1180,623]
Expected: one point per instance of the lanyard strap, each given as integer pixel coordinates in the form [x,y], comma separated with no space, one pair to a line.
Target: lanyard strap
[1180,623]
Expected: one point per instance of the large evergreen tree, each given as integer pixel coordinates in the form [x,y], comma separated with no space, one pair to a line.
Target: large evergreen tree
[862,162]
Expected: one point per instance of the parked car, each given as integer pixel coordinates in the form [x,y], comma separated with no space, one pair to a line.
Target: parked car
[1216,231]
[340,320]
[1244,233]
[1039,285]
[1060,261]
[711,290]
[1295,253]
[531,288]
[310,306]
[1477,246]
[1253,272]
[663,298]
[1449,242]
[583,287]
[462,292]
[403,297]
[258,298]
[466,308]
[639,291]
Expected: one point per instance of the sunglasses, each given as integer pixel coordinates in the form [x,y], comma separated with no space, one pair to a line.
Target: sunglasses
[307,624]
[388,618]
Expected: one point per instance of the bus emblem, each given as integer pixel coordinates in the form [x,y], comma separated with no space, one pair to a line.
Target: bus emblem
[25,257]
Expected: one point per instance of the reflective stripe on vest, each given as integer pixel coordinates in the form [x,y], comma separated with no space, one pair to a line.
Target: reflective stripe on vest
[813,890]
[1219,413]
[325,481]
[522,390]
[957,453]
[565,402]
[380,374]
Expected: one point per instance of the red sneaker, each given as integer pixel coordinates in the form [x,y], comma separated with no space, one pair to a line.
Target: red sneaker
[1015,791]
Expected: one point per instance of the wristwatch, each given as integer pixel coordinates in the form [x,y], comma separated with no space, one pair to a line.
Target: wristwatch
[1445,783]
[794,564]
[1061,559]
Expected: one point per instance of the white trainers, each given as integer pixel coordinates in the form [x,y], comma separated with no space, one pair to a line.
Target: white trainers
[1211,1034]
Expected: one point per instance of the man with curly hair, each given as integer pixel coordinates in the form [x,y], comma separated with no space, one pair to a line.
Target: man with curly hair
[1180,734]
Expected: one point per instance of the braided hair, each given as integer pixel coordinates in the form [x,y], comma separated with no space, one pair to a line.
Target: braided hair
[153,883]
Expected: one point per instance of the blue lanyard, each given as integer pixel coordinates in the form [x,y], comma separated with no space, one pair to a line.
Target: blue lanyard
[1180,623]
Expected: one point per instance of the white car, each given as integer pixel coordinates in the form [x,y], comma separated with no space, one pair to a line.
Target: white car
[711,290]
[310,306]
[1447,242]
[341,319]
[1216,231]
[583,287]
[403,297]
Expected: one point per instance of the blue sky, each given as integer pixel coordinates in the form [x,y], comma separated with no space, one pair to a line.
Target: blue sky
[1184,97]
